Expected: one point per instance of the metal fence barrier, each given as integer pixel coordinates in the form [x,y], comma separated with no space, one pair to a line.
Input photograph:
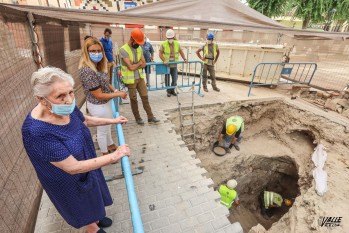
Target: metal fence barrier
[187,74]
[126,168]
[275,73]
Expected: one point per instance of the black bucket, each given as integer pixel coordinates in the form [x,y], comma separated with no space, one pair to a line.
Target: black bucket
[218,150]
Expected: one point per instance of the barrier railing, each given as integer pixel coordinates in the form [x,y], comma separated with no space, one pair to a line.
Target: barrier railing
[187,74]
[275,73]
[126,168]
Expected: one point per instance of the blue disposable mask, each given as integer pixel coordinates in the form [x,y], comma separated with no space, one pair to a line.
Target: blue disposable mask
[96,57]
[62,109]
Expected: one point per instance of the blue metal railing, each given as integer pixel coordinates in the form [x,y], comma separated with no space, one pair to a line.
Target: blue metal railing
[126,168]
[187,74]
[282,73]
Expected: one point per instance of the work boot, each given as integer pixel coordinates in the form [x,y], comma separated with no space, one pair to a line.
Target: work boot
[237,147]
[168,94]
[140,121]
[153,121]
[216,89]
[205,89]
[228,150]
[174,93]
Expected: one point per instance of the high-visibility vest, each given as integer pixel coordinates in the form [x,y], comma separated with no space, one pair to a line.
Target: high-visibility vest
[227,195]
[167,50]
[271,198]
[206,52]
[128,76]
[238,121]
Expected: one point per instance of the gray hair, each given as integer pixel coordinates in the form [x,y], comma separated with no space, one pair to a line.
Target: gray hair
[42,80]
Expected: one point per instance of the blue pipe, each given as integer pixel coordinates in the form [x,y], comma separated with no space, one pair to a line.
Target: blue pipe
[126,168]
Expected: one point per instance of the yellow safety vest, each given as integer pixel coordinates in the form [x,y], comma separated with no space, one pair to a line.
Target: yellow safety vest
[270,198]
[227,195]
[238,121]
[128,76]
[167,50]
[206,52]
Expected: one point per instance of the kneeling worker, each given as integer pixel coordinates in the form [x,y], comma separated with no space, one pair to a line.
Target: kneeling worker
[270,200]
[231,133]
[228,194]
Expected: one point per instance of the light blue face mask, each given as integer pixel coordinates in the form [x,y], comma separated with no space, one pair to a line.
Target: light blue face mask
[96,57]
[62,109]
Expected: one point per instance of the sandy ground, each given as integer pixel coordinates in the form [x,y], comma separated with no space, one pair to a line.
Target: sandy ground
[279,138]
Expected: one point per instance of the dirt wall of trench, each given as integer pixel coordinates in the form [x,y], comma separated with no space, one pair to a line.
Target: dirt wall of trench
[277,119]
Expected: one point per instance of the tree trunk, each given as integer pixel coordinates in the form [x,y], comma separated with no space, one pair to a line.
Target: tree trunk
[305,22]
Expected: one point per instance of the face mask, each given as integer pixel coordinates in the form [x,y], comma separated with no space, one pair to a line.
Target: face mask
[170,41]
[209,41]
[62,109]
[135,46]
[96,57]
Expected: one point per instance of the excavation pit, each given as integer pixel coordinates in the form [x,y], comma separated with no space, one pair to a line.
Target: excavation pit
[275,154]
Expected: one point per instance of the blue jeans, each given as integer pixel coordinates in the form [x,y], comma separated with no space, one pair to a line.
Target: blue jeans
[227,140]
[174,75]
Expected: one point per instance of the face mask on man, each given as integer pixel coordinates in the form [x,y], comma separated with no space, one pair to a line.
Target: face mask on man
[135,46]
[96,57]
[62,109]
[209,41]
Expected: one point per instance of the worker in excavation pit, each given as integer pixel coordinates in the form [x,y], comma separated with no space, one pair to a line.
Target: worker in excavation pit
[231,133]
[271,200]
[229,194]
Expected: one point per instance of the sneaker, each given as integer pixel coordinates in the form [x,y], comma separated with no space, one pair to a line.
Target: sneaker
[153,121]
[237,147]
[140,121]
[168,94]
[216,89]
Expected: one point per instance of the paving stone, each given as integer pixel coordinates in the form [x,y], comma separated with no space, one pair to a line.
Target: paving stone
[172,180]
[159,223]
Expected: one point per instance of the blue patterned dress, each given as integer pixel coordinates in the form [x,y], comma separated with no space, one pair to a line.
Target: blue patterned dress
[80,198]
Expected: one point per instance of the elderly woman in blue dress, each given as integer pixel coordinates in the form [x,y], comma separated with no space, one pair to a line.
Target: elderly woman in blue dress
[60,147]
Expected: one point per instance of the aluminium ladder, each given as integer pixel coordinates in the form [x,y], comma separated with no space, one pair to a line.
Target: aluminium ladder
[186,116]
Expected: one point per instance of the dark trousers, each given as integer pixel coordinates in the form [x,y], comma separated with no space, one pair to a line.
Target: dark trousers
[212,76]
[139,85]
[174,75]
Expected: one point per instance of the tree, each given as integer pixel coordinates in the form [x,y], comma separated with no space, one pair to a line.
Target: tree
[270,8]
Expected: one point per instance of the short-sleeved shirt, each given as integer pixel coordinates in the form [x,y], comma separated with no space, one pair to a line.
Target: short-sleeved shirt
[172,56]
[210,57]
[224,131]
[124,54]
[91,81]
[80,198]
[147,51]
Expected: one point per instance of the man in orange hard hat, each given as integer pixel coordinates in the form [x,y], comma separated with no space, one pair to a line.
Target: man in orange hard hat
[231,133]
[132,64]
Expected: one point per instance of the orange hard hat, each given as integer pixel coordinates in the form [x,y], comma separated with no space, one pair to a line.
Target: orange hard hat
[138,36]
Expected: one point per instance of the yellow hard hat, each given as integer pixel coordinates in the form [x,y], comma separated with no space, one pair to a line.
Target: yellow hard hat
[287,202]
[231,129]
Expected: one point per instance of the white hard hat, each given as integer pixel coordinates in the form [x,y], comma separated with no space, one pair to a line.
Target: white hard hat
[170,33]
[232,184]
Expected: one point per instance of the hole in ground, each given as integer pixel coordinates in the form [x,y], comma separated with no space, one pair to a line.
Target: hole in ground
[259,173]
[273,149]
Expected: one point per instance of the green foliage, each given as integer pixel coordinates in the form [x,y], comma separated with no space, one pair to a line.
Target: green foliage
[270,8]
